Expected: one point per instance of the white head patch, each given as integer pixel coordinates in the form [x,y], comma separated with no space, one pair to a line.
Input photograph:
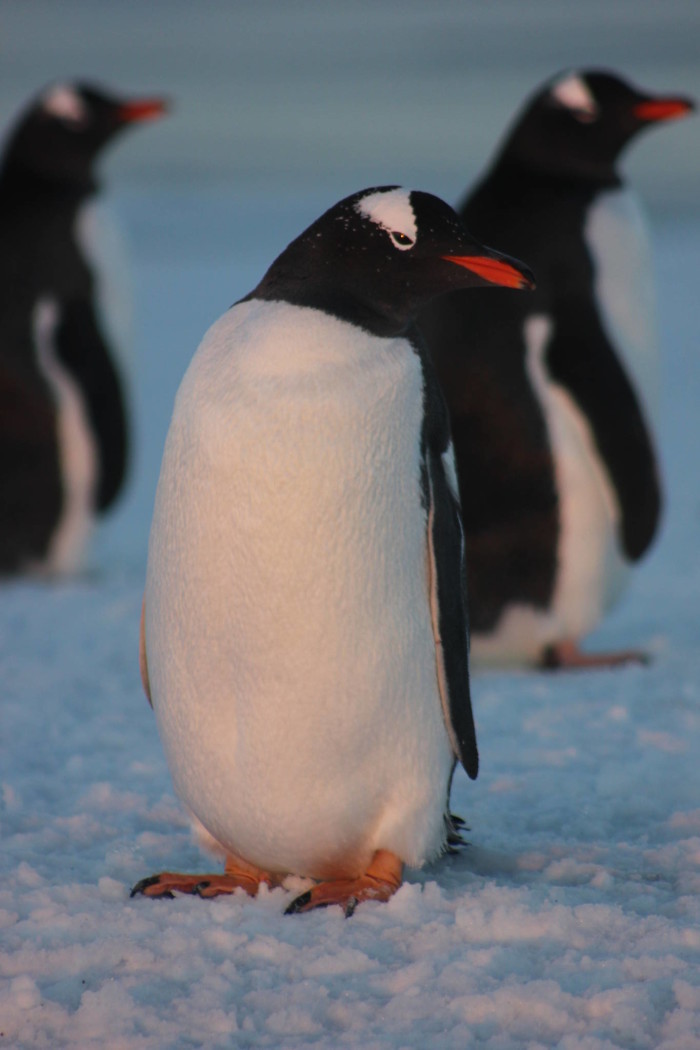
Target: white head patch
[392,211]
[573,93]
[63,102]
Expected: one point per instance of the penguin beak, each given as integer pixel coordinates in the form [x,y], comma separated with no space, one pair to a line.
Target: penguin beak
[496,269]
[663,109]
[142,109]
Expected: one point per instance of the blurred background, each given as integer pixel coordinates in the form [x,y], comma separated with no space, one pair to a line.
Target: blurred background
[281,108]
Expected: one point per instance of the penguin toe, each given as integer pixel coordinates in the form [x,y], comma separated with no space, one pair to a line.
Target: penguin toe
[167,883]
[307,902]
[347,893]
[381,880]
[146,887]
[566,655]
[300,903]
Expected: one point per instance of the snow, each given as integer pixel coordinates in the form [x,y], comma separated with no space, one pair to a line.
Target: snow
[573,918]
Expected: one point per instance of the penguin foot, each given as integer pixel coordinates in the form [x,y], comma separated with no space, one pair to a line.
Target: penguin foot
[380,882]
[566,655]
[238,875]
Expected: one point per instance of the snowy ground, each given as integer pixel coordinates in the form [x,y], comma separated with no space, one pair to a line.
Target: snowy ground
[573,920]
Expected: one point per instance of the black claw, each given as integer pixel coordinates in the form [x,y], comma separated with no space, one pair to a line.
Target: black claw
[454,826]
[551,660]
[152,880]
[298,903]
[350,906]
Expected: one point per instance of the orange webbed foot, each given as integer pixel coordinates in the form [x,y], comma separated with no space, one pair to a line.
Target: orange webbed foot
[567,655]
[380,882]
[238,875]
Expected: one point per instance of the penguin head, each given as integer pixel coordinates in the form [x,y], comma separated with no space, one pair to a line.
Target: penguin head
[580,122]
[59,136]
[378,256]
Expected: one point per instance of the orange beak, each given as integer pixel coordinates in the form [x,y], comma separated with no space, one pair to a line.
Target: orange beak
[142,109]
[663,109]
[494,270]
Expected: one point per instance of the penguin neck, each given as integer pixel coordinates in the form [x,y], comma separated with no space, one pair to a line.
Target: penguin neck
[531,179]
[517,160]
[333,300]
[25,180]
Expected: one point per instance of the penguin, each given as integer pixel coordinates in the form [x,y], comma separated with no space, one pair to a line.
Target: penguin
[553,397]
[304,635]
[63,414]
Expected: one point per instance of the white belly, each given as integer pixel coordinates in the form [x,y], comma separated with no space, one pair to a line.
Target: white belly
[591,570]
[617,239]
[77,451]
[288,628]
[101,242]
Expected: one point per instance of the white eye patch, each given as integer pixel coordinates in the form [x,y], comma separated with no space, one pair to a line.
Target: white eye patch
[573,93]
[392,211]
[66,104]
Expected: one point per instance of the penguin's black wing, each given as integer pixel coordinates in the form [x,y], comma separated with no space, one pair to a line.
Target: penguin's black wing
[30,473]
[448,587]
[581,358]
[82,348]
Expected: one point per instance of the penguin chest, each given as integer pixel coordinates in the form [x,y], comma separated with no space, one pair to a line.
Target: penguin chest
[591,569]
[77,451]
[102,248]
[288,624]
[618,242]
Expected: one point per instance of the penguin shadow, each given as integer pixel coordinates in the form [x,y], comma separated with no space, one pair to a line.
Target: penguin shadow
[454,870]
[556,867]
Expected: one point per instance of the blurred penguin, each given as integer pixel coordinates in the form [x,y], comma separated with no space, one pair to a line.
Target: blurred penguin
[553,396]
[64,433]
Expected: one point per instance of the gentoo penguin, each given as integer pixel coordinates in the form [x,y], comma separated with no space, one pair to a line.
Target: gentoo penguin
[63,419]
[553,396]
[304,635]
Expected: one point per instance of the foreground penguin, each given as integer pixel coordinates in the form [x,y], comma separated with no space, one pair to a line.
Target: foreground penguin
[553,396]
[304,637]
[63,420]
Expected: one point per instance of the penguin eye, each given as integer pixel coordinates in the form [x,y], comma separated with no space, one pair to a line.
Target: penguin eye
[584,116]
[401,240]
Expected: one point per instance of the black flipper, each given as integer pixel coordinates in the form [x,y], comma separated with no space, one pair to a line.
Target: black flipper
[579,357]
[448,586]
[81,347]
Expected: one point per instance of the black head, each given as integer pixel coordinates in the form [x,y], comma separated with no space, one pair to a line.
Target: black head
[580,122]
[60,134]
[377,257]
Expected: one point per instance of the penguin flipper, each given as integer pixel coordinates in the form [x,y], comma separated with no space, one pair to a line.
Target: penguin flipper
[84,351]
[581,358]
[448,604]
[143,660]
